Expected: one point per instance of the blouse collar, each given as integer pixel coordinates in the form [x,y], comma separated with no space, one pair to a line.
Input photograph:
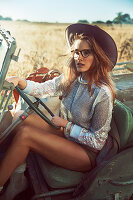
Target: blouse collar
[80,80]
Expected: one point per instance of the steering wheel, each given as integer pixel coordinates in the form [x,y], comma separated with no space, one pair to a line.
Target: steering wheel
[35,107]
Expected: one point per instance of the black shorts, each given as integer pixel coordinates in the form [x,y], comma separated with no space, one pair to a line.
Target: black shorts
[91,154]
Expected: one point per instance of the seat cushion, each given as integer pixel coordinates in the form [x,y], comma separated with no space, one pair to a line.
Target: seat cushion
[124,122]
[58,177]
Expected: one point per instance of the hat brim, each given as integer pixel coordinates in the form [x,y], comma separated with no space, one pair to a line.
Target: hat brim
[103,39]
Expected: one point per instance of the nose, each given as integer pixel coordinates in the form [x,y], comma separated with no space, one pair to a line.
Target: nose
[79,57]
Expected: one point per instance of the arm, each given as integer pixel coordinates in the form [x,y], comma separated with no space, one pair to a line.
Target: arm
[97,134]
[48,88]
[41,90]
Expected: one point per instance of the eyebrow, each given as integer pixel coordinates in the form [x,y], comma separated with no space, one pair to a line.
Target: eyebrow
[80,50]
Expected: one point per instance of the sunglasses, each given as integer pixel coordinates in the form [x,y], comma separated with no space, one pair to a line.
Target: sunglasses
[85,53]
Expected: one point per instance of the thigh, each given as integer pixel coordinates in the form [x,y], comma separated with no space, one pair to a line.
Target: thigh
[59,150]
[36,122]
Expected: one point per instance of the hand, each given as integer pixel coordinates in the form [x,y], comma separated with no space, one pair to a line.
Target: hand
[58,121]
[21,83]
[14,80]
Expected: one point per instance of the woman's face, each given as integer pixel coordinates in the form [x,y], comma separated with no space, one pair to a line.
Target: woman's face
[82,55]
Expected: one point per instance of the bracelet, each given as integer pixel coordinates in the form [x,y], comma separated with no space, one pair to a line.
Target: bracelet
[67,126]
[66,132]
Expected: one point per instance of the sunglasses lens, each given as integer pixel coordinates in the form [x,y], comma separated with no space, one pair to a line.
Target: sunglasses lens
[85,53]
[76,53]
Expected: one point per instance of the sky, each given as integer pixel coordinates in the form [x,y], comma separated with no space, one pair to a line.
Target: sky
[65,11]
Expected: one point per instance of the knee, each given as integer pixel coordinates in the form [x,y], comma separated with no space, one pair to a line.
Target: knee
[22,135]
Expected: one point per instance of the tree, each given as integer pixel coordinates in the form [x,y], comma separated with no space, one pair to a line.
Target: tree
[109,23]
[7,18]
[118,19]
[126,18]
[122,19]
[83,21]
[98,22]
[1,18]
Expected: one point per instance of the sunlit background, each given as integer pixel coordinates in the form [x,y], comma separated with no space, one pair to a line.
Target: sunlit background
[39,28]
[69,11]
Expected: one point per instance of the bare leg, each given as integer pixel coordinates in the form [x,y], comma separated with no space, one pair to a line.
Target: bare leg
[47,144]
[35,121]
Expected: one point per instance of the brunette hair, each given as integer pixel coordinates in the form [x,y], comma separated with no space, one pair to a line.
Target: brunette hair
[99,71]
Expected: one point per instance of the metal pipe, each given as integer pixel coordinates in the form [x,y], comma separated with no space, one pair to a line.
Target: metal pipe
[122,63]
[52,193]
[121,183]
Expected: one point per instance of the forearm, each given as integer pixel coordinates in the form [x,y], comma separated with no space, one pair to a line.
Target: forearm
[46,89]
[94,139]
[22,83]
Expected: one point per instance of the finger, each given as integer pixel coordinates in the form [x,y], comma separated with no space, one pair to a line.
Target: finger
[52,120]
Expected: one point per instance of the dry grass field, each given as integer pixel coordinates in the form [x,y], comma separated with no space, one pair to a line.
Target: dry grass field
[42,45]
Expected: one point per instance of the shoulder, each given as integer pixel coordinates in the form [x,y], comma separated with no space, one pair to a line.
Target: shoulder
[58,79]
[103,91]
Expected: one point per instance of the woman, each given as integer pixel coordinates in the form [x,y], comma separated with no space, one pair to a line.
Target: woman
[85,111]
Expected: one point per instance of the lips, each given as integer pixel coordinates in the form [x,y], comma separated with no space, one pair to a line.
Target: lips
[80,64]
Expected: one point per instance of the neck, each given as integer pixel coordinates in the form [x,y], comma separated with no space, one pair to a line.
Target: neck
[83,75]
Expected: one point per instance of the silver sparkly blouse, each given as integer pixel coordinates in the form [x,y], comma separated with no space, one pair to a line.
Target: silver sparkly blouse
[90,114]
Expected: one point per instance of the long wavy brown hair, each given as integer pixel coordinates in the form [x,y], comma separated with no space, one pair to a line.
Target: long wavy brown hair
[99,71]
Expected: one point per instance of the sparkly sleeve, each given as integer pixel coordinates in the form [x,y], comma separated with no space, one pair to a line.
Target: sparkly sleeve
[97,134]
[48,88]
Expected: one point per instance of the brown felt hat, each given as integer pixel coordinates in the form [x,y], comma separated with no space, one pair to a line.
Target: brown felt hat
[103,39]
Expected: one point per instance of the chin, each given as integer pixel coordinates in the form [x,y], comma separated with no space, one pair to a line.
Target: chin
[81,70]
